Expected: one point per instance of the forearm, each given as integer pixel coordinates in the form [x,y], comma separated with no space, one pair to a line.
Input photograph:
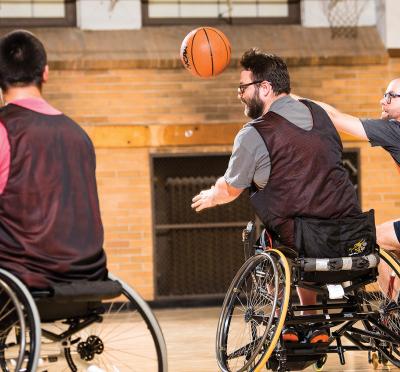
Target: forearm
[220,193]
[225,193]
[343,122]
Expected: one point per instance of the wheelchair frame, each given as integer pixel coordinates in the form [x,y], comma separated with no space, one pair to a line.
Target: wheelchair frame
[80,343]
[252,300]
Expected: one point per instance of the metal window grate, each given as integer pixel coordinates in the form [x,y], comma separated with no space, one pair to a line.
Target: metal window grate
[196,254]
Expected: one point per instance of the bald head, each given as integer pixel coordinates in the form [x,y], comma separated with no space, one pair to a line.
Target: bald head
[394,85]
[391,102]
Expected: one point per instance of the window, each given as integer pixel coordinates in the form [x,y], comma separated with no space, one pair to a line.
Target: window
[196,254]
[157,12]
[22,13]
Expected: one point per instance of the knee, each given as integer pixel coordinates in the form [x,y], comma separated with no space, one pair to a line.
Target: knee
[386,236]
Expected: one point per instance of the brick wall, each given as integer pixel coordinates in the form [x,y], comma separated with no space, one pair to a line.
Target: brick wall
[172,97]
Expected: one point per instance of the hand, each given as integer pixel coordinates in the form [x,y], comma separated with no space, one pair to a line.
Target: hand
[204,200]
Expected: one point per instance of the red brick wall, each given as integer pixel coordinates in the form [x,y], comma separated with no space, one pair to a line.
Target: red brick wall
[173,97]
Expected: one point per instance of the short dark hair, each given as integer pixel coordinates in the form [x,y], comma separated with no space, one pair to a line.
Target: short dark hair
[22,60]
[267,67]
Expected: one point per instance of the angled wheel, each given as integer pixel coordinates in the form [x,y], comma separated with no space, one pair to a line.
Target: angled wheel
[382,298]
[253,313]
[126,337]
[19,326]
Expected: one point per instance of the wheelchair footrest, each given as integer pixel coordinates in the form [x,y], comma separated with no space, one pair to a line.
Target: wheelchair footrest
[295,362]
[306,348]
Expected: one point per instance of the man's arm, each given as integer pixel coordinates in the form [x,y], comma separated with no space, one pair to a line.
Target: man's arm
[220,193]
[343,122]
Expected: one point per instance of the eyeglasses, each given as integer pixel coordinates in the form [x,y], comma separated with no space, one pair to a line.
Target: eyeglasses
[242,87]
[389,95]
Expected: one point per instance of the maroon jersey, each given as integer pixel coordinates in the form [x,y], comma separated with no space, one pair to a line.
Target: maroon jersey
[307,176]
[50,224]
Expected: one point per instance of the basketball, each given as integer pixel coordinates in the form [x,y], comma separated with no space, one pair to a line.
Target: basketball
[205,52]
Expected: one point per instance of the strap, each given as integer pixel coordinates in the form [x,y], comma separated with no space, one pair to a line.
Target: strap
[355,263]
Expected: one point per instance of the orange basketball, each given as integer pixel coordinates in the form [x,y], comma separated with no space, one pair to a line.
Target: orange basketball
[205,52]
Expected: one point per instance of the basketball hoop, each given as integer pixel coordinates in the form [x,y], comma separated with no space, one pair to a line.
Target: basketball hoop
[343,16]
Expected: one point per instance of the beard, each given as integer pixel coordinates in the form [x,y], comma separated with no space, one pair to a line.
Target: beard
[254,107]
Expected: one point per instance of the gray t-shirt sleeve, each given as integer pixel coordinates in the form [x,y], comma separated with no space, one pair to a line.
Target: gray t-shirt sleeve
[384,133]
[249,160]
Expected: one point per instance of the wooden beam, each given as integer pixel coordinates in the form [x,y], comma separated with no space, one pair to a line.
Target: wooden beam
[130,136]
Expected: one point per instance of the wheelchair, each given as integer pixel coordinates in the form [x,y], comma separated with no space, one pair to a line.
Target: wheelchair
[88,326]
[358,306]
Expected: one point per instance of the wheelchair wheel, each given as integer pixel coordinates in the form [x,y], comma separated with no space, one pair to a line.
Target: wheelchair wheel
[253,313]
[19,326]
[127,337]
[382,297]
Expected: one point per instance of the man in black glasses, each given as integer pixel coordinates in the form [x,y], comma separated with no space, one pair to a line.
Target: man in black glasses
[384,132]
[289,156]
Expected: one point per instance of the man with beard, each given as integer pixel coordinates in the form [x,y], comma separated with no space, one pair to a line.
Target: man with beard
[384,132]
[289,155]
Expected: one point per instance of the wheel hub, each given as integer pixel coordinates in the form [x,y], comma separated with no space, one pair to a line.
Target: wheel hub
[248,314]
[87,349]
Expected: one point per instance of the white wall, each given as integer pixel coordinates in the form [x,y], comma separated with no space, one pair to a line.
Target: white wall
[313,15]
[389,22]
[109,14]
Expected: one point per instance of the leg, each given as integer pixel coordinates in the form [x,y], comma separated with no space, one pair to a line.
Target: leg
[307,297]
[388,235]
[315,333]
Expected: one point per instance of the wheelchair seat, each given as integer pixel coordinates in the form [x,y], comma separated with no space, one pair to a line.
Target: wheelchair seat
[75,299]
[78,326]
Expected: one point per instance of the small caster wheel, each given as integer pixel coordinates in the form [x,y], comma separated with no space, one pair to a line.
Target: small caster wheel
[375,360]
[319,365]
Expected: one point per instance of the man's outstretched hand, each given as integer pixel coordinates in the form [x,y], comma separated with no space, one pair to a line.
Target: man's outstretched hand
[203,200]
[220,193]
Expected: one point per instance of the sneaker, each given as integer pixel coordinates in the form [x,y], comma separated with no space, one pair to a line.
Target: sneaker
[318,335]
[289,334]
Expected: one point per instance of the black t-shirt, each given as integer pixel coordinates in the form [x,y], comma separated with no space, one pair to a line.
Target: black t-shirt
[384,133]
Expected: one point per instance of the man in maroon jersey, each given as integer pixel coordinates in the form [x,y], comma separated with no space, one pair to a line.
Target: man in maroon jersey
[50,224]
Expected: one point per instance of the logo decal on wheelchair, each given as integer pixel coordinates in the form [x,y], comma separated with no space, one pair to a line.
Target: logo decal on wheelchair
[358,247]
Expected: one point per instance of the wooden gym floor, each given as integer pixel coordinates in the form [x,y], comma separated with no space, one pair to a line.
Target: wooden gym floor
[190,336]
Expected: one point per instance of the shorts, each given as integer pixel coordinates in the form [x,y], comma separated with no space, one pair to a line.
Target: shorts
[396,226]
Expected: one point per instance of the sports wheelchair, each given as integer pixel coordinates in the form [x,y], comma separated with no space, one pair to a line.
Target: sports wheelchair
[358,305]
[94,326]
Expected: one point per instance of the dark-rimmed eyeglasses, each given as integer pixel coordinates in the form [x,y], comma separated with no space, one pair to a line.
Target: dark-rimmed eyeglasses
[389,95]
[242,87]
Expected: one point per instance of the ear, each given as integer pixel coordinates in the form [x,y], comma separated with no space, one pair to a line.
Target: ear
[46,74]
[266,88]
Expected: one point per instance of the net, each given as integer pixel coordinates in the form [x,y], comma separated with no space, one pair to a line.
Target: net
[343,16]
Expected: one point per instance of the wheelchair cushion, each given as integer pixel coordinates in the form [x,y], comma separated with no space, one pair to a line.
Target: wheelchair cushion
[75,299]
[82,290]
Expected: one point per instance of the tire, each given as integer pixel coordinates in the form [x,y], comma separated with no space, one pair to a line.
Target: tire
[126,338]
[382,298]
[20,326]
[253,313]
